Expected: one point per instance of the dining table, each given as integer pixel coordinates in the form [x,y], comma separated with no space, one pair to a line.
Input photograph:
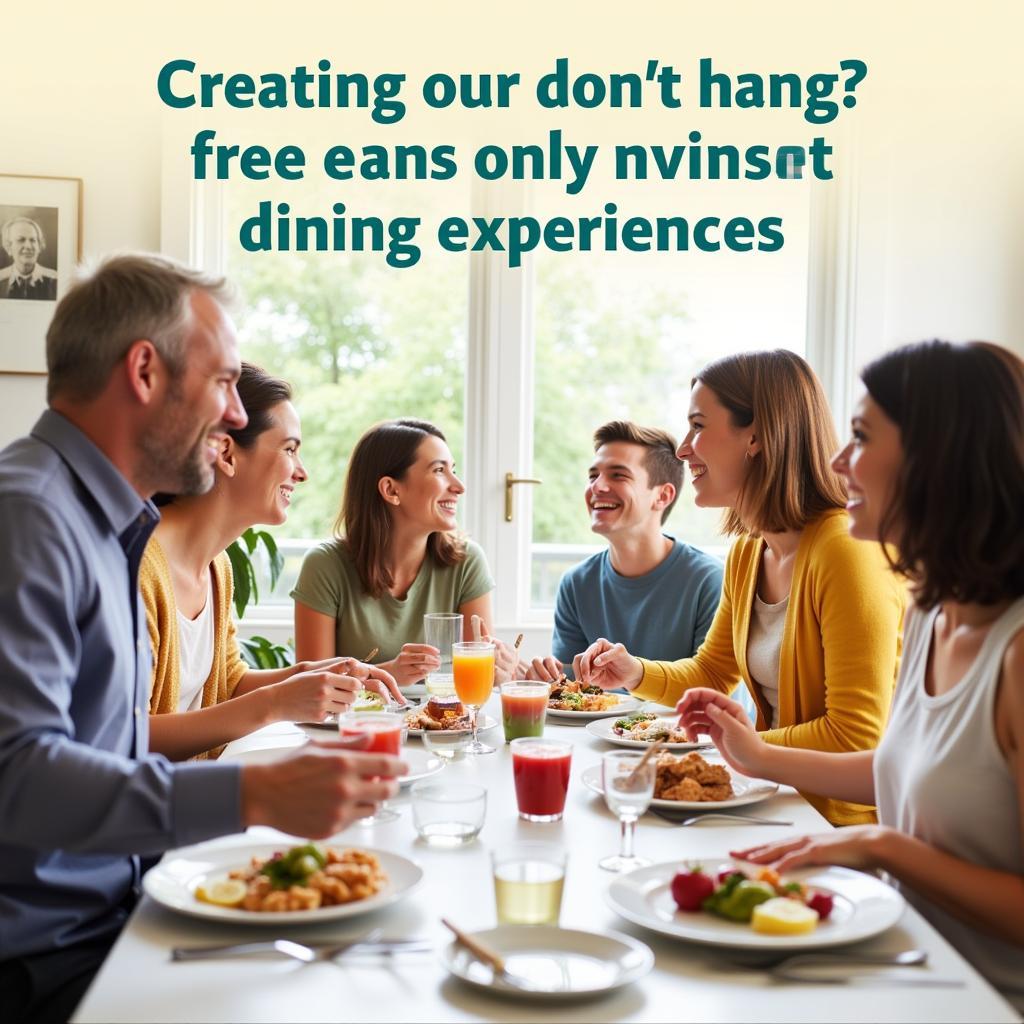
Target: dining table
[689,981]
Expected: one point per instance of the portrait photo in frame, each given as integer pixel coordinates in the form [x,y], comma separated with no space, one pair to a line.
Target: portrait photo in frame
[40,243]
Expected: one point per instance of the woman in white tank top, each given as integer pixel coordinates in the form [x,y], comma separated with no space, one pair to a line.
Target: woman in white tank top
[936,470]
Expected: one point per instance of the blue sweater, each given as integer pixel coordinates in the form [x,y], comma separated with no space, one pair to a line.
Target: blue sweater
[662,615]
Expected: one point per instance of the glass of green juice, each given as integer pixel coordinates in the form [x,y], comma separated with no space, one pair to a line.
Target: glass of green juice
[524,704]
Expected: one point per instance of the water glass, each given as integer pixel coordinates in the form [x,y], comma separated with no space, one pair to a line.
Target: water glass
[447,744]
[628,783]
[528,882]
[441,630]
[448,815]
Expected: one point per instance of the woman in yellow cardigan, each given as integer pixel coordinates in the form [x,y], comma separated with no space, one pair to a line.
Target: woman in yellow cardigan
[809,619]
[203,695]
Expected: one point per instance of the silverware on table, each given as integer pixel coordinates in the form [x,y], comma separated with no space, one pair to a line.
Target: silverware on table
[371,943]
[696,819]
[805,968]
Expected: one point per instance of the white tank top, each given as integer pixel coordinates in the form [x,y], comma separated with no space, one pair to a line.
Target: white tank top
[195,654]
[940,776]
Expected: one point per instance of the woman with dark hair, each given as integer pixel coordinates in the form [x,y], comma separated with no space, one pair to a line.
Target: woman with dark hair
[809,620]
[396,556]
[203,695]
[935,469]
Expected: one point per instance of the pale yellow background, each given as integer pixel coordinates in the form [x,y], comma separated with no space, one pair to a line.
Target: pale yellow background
[937,130]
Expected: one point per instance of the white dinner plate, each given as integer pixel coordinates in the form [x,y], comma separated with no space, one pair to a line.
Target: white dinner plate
[748,791]
[863,906]
[561,962]
[174,880]
[484,723]
[624,706]
[604,729]
[421,763]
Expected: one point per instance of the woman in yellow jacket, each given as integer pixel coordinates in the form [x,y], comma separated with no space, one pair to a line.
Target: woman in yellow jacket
[809,619]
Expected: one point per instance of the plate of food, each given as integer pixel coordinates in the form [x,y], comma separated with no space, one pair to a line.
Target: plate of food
[689,783]
[558,963]
[444,715]
[642,728]
[271,884]
[746,907]
[571,699]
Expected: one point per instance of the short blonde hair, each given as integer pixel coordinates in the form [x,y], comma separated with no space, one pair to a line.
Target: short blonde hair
[790,482]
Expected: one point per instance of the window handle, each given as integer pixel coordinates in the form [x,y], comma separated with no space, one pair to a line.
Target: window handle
[510,481]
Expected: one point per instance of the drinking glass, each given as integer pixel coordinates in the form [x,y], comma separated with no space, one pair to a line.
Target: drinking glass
[473,669]
[448,814]
[524,706]
[540,769]
[628,785]
[387,732]
[442,630]
[528,882]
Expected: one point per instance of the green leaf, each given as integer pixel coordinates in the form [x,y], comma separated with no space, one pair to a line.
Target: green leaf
[241,569]
[274,557]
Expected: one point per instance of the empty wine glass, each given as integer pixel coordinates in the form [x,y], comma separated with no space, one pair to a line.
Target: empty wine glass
[628,783]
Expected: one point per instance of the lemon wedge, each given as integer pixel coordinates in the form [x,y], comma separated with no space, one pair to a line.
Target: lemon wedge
[783,916]
[227,893]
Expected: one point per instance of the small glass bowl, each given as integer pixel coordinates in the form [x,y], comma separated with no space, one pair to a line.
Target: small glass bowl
[448,744]
[448,814]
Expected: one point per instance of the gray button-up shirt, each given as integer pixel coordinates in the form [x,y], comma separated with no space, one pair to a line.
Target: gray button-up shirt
[80,798]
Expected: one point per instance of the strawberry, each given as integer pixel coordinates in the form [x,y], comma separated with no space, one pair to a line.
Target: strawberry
[691,888]
[821,902]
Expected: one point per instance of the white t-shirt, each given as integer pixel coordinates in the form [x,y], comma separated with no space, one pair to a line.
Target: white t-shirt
[764,642]
[195,659]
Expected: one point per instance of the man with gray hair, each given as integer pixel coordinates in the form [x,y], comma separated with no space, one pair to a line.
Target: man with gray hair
[143,363]
[26,278]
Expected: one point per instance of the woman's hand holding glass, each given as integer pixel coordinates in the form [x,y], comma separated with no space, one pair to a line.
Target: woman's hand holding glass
[607,665]
[702,710]
[414,662]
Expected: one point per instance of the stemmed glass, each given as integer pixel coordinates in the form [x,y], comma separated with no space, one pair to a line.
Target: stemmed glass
[387,732]
[628,783]
[473,668]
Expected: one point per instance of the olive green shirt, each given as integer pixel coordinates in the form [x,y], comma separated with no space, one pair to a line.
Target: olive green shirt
[328,583]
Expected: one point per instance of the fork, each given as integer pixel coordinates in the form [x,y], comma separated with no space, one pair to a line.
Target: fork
[696,819]
[300,951]
[792,968]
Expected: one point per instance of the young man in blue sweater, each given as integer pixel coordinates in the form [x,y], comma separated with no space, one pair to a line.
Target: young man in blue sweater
[648,590]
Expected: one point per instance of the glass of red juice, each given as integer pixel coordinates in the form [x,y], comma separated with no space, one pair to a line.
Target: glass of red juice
[386,734]
[524,703]
[540,769]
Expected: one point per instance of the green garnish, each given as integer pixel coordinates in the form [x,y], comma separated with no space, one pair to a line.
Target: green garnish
[295,866]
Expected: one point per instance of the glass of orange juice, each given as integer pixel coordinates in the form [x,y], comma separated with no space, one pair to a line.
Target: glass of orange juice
[473,668]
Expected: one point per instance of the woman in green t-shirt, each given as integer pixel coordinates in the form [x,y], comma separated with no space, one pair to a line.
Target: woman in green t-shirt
[396,556]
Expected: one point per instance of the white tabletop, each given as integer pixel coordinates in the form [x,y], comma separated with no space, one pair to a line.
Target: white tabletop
[139,982]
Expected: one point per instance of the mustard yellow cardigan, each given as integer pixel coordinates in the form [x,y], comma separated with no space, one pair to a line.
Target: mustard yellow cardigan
[840,648]
[162,621]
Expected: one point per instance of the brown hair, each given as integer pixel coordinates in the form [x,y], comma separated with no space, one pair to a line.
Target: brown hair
[955,516]
[659,460]
[364,520]
[790,482]
[125,298]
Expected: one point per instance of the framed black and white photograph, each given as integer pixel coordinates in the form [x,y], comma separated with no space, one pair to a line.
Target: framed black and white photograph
[40,243]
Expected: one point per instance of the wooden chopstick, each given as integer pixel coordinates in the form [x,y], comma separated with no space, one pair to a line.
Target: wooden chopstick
[480,950]
[648,754]
[373,654]
[519,640]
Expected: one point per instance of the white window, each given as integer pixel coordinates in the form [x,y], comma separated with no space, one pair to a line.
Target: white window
[518,366]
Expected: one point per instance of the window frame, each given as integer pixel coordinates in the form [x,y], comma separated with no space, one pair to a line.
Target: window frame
[843,302]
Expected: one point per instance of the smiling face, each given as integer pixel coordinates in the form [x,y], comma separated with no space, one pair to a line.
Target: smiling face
[187,432]
[267,472]
[716,451]
[427,496]
[23,245]
[870,463]
[619,496]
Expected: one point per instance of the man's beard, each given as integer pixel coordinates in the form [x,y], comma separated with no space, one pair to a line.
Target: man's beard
[171,468]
